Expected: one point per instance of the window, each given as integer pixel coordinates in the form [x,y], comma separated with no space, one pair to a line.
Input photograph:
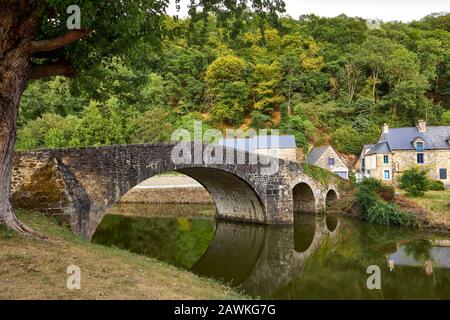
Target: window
[387,175]
[331,161]
[420,158]
[385,159]
[443,174]
[419,146]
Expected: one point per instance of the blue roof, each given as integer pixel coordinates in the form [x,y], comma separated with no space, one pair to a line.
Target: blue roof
[380,147]
[315,154]
[259,142]
[403,138]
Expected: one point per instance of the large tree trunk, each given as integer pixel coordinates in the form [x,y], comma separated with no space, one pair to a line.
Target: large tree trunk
[18,27]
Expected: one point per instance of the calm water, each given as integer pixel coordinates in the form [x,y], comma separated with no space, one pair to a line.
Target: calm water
[317,258]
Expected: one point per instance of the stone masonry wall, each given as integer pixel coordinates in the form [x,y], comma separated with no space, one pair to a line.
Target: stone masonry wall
[401,160]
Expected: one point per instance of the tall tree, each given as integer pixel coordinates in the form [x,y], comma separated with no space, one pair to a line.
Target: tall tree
[35,43]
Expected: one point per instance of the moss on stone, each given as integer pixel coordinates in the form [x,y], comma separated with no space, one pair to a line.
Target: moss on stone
[44,192]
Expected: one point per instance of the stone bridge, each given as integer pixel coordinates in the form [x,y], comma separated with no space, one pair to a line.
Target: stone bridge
[79,184]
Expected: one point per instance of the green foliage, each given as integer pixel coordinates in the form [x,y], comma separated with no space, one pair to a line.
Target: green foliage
[376,210]
[301,128]
[436,185]
[331,79]
[151,127]
[387,214]
[414,181]
[48,131]
[325,177]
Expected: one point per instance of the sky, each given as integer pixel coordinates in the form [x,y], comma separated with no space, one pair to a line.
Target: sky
[387,10]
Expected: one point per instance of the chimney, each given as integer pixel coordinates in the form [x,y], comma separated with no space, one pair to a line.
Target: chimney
[421,126]
[385,128]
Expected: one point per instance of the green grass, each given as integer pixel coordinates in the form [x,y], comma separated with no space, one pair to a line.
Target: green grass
[437,201]
[36,269]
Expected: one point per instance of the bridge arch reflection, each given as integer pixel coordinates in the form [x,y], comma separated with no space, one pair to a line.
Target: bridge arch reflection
[261,259]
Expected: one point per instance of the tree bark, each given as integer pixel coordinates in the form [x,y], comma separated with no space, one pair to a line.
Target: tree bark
[18,26]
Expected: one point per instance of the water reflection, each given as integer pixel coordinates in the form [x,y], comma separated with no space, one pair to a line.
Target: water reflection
[424,254]
[320,257]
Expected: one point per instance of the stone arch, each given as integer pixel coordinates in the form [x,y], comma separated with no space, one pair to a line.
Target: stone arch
[331,197]
[304,200]
[234,197]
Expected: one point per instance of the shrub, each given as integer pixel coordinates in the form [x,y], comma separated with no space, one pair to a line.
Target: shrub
[374,209]
[388,214]
[414,181]
[436,185]
[386,192]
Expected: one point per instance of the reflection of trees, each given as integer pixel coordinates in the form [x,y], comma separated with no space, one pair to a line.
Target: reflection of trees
[338,271]
[178,241]
[420,250]
[266,261]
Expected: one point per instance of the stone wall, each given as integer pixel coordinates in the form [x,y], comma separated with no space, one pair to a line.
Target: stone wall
[195,195]
[289,154]
[401,160]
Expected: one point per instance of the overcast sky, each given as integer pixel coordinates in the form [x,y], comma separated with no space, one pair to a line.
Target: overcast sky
[387,10]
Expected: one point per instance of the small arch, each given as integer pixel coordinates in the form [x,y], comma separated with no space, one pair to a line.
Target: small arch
[330,198]
[303,197]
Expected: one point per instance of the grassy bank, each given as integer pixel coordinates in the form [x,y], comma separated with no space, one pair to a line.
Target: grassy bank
[432,208]
[36,269]
[429,211]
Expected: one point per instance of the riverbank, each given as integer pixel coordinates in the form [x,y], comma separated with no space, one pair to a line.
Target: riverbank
[36,269]
[168,189]
[430,211]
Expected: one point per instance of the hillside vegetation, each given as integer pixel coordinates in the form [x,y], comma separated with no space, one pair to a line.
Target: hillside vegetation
[324,80]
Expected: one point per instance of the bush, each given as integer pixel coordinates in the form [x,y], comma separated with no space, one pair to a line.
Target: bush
[414,181]
[436,185]
[388,214]
[374,209]
[384,191]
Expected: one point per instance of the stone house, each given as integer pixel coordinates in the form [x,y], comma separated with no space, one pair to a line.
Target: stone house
[399,149]
[283,147]
[326,157]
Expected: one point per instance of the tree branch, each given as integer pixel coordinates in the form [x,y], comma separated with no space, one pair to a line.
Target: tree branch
[62,68]
[58,42]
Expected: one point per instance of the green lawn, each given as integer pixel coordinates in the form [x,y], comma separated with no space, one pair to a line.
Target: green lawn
[437,205]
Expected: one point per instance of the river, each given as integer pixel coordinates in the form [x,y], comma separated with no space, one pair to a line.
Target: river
[319,257]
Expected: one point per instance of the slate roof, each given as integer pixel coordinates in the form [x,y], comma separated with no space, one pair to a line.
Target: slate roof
[380,147]
[260,142]
[315,154]
[435,137]
[402,138]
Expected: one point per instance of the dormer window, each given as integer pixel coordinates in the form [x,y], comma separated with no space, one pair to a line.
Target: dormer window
[331,161]
[419,146]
